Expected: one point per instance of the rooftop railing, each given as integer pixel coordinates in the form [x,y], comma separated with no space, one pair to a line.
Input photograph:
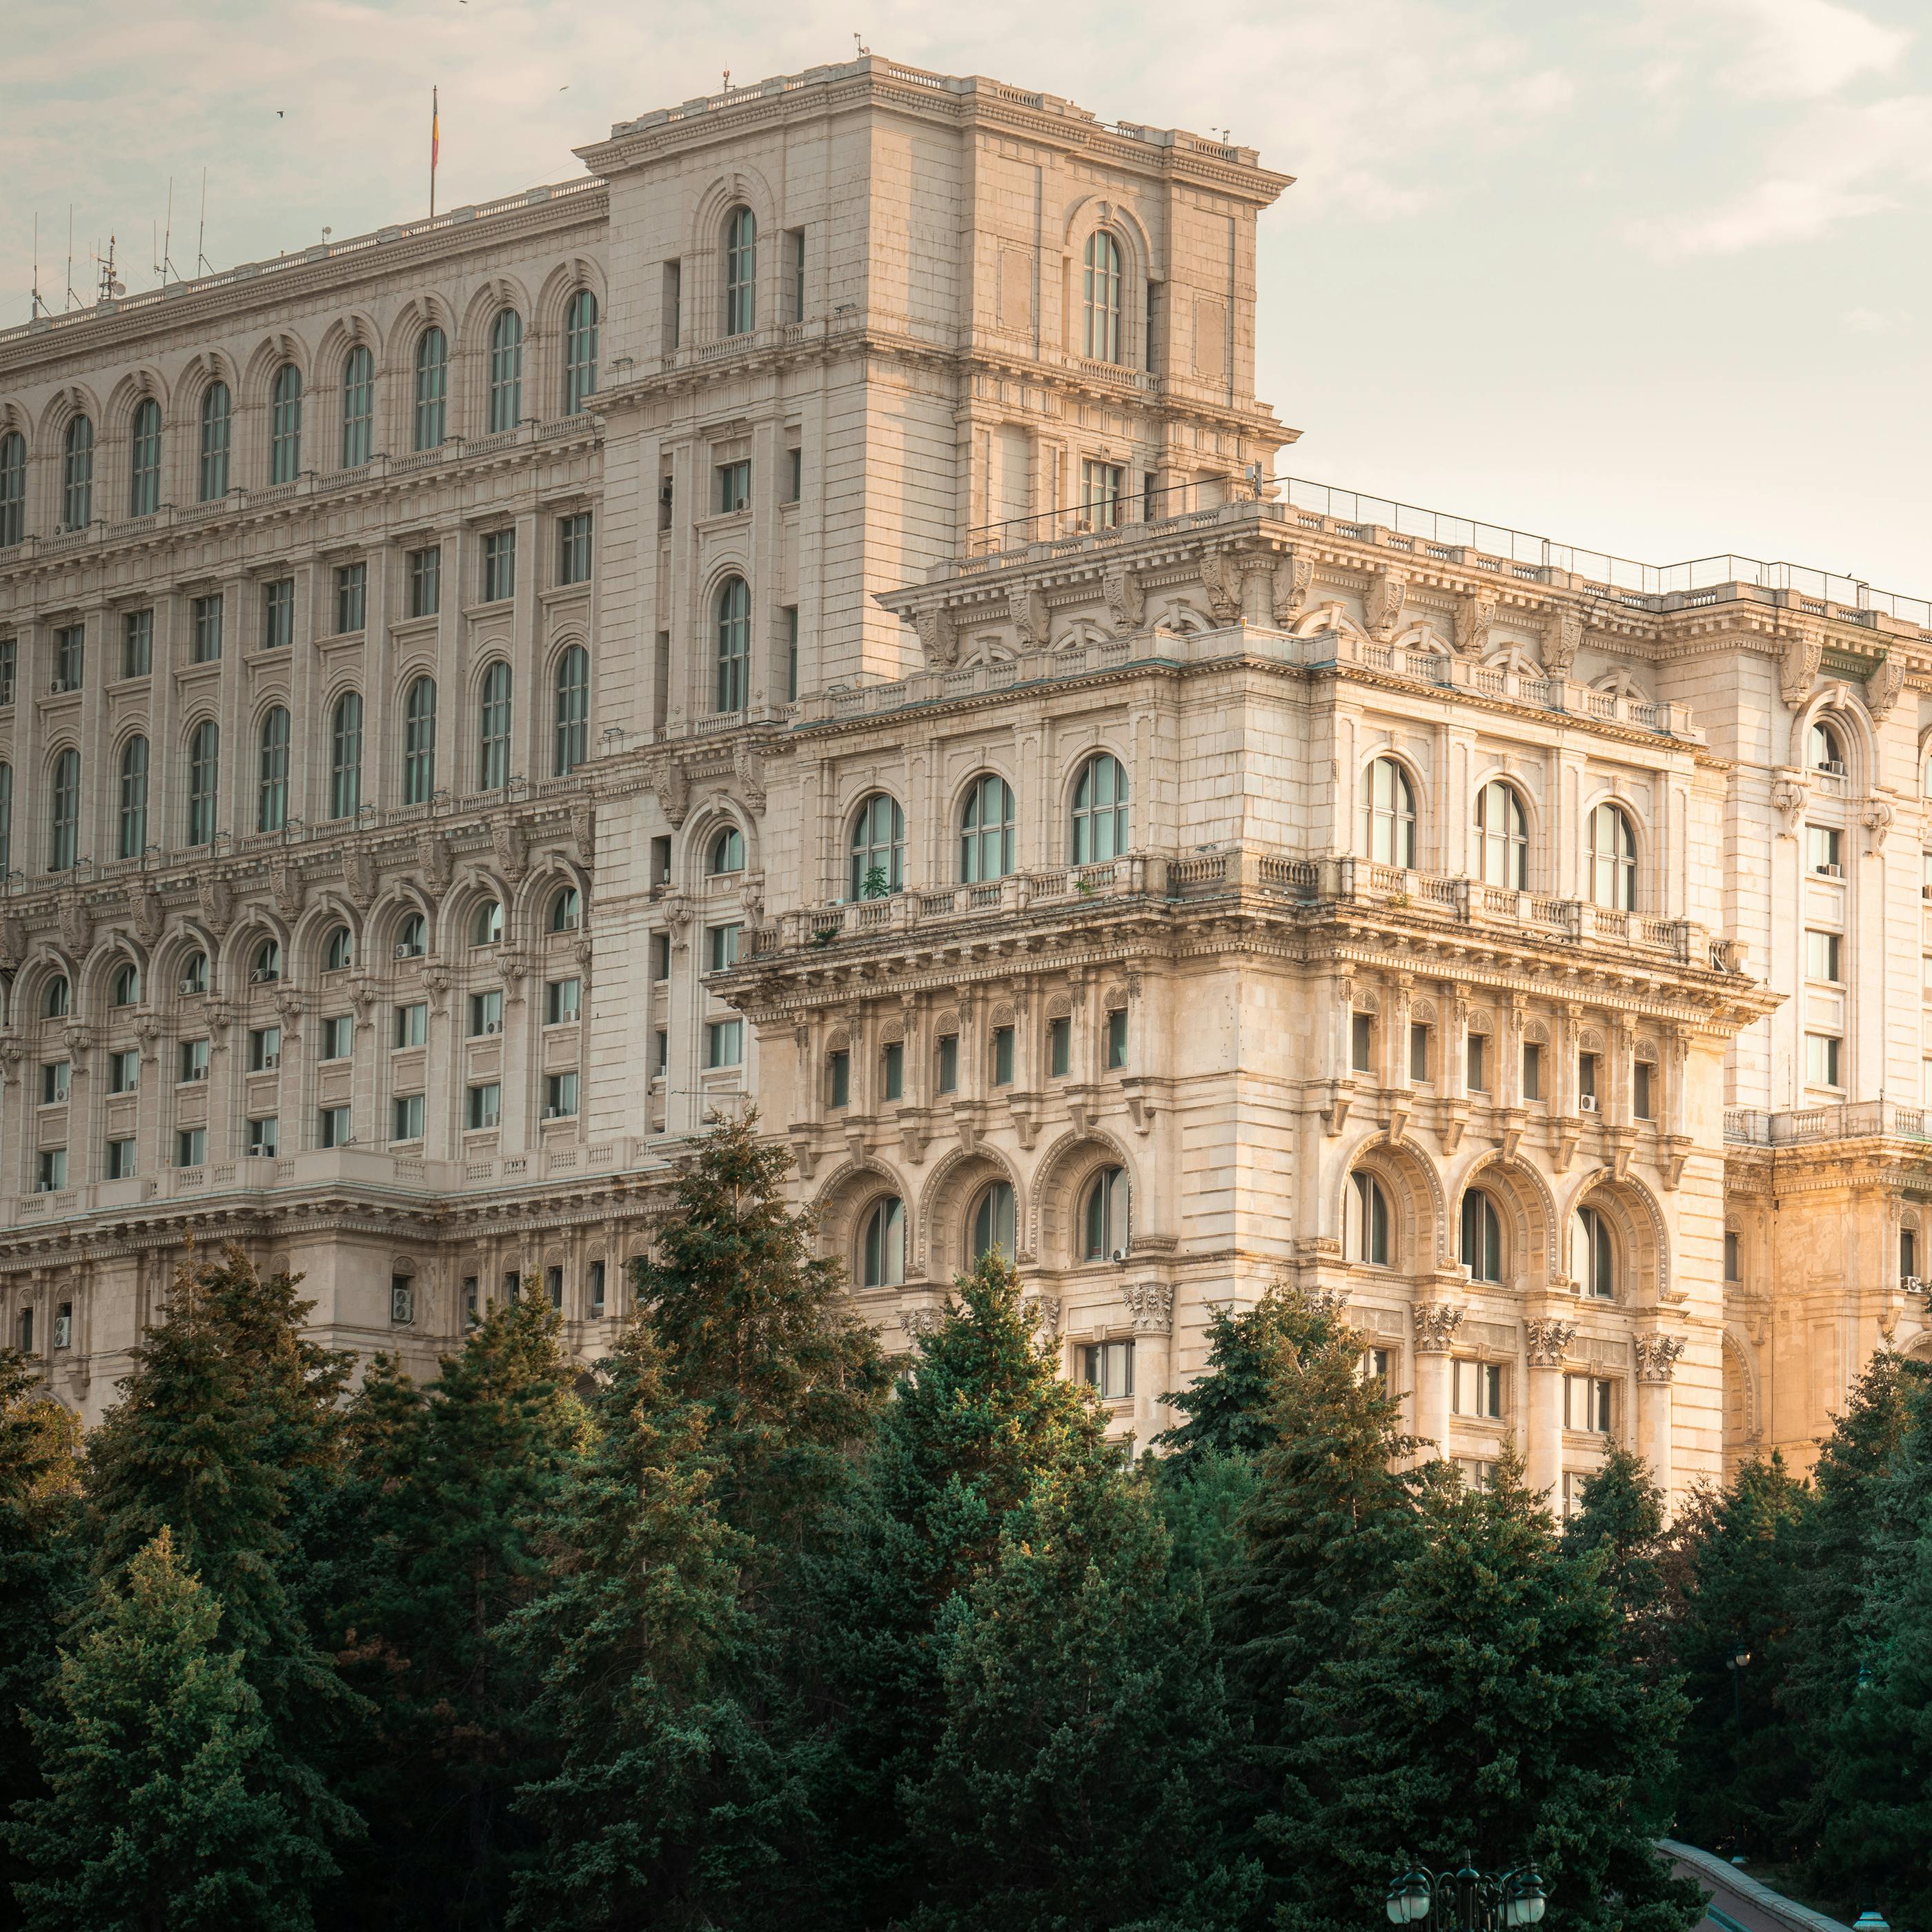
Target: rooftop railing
[1849,1119]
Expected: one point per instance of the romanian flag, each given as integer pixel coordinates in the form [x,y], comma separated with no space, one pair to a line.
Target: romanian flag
[435,132]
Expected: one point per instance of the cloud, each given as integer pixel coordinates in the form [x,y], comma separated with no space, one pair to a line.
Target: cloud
[1799,49]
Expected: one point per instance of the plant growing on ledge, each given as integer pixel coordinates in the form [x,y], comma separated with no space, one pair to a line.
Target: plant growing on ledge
[876,887]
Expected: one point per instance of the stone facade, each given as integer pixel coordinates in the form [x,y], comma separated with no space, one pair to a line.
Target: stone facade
[830,645]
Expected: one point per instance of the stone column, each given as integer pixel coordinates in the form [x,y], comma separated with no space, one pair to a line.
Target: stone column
[1435,1325]
[1549,1339]
[1151,1305]
[1656,1360]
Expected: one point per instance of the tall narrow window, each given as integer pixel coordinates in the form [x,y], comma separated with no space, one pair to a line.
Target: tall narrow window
[285,425]
[1103,297]
[205,628]
[13,489]
[506,370]
[986,831]
[992,1227]
[272,783]
[573,548]
[878,848]
[419,743]
[137,643]
[204,760]
[63,812]
[1482,1237]
[9,665]
[1594,1255]
[580,351]
[1612,859]
[1502,837]
[1388,814]
[358,407]
[6,820]
[345,756]
[217,429]
[499,566]
[131,840]
[573,710]
[144,468]
[426,581]
[883,1261]
[795,272]
[1099,811]
[70,656]
[734,644]
[1106,1214]
[741,271]
[77,474]
[493,731]
[351,598]
[1369,1219]
[432,388]
[1102,487]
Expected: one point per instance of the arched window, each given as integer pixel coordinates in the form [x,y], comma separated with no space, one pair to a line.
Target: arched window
[1103,297]
[882,1247]
[358,407]
[271,780]
[990,1228]
[580,351]
[267,970]
[432,388]
[345,756]
[1828,750]
[6,820]
[1482,1237]
[63,811]
[194,973]
[734,644]
[486,926]
[125,989]
[1593,1255]
[77,475]
[204,770]
[217,428]
[419,743]
[338,952]
[573,710]
[13,489]
[506,370]
[1099,811]
[492,728]
[412,936]
[986,831]
[285,425]
[878,848]
[1368,1230]
[727,853]
[58,1001]
[1388,814]
[1502,837]
[1104,1217]
[741,271]
[131,838]
[144,469]
[566,911]
[1612,859]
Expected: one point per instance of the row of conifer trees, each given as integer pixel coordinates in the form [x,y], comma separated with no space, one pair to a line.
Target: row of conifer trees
[743,1632]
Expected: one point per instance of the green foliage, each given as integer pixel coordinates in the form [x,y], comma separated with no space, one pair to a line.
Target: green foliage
[1621,1517]
[1229,1406]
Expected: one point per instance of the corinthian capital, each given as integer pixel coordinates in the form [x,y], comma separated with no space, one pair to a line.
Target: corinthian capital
[1435,1325]
[1549,1341]
[1657,1357]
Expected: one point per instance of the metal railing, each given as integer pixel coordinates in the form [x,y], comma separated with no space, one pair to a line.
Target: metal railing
[1848,1119]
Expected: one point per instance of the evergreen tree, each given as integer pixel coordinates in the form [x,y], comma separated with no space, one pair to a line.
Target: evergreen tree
[166,1809]
[1484,1704]
[1621,1516]
[1229,1407]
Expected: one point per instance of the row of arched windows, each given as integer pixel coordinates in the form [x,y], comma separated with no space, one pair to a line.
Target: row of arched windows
[570,730]
[1101,1228]
[1388,821]
[429,420]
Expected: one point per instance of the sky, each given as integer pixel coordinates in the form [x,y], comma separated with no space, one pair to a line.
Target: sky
[1649,276]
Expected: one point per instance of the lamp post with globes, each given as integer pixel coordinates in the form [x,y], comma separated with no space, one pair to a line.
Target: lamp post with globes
[1469,1900]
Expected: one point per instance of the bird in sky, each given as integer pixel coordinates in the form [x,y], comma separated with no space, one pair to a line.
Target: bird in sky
[278,114]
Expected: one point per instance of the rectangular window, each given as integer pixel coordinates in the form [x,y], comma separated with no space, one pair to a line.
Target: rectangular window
[264,1137]
[734,487]
[485,1106]
[338,1036]
[794,475]
[9,659]
[121,1159]
[471,1296]
[412,1028]
[264,1049]
[1823,845]
[1586,1082]
[596,1290]
[1821,1059]
[486,1013]
[1418,1050]
[948,1081]
[499,566]
[563,1000]
[1362,1042]
[52,1172]
[70,656]
[1060,1047]
[426,581]
[673,292]
[573,548]
[892,1070]
[838,1080]
[1117,1037]
[1643,1086]
[1108,1369]
[795,275]
[194,1060]
[56,1081]
[553,1286]
[351,598]
[1731,1258]
[278,614]
[137,643]
[1476,1388]
[407,1122]
[205,629]
[660,861]
[721,946]
[661,1056]
[1532,1071]
[191,1147]
[1477,1475]
[1908,1254]
[660,957]
[789,612]
[1102,484]
[1479,1063]
[332,1127]
[513,1287]
[124,1070]
[1586,1404]
[1002,1056]
[724,1043]
[559,1095]
[1374,1367]
[1822,953]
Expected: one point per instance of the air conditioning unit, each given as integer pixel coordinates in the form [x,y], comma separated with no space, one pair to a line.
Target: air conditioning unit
[44,1187]
[192,986]
[1119,1257]
[493,1026]
[63,1331]
[1836,766]
[555,1113]
[196,1073]
[402,1305]
[271,1062]
[1588,1103]
[1830,871]
[404,950]
[1911,1284]
[264,976]
[58,687]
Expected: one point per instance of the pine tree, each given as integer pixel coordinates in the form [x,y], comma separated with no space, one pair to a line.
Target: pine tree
[1483,1704]
[1229,1406]
[1621,1515]
[166,1809]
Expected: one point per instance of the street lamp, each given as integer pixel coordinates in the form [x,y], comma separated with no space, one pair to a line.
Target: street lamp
[1469,1900]
[1735,1664]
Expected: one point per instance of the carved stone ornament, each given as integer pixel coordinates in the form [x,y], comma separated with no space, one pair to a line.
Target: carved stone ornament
[937,637]
[1293,576]
[1562,641]
[1474,615]
[285,887]
[1045,1310]
[1027,606]
[76,923]
[510,849]
[13,1050]
[920,1322]
[144,908]
[1127,601]
[749,769]
[1387,595]
[1221,579]
[435,863]
[359,877]
[1803,653]
[1876,816]
[217,901]
[1791,795]
[1151,1304]
[584,830]
[1657,1357]
[1435,1325]
[673,788]
[1549,1341]
[13,943]
[1883,687]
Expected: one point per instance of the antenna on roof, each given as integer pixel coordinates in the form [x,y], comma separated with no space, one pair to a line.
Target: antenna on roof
[858,46]
[164,264]
[111,288]
[39,307]
[72,301]
[202,266]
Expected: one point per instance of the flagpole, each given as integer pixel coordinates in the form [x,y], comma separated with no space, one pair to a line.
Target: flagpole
[434,133]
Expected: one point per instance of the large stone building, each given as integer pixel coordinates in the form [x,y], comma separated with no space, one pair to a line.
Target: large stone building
[797,612]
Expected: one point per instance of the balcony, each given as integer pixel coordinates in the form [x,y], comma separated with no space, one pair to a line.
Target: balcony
[1848,1119]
